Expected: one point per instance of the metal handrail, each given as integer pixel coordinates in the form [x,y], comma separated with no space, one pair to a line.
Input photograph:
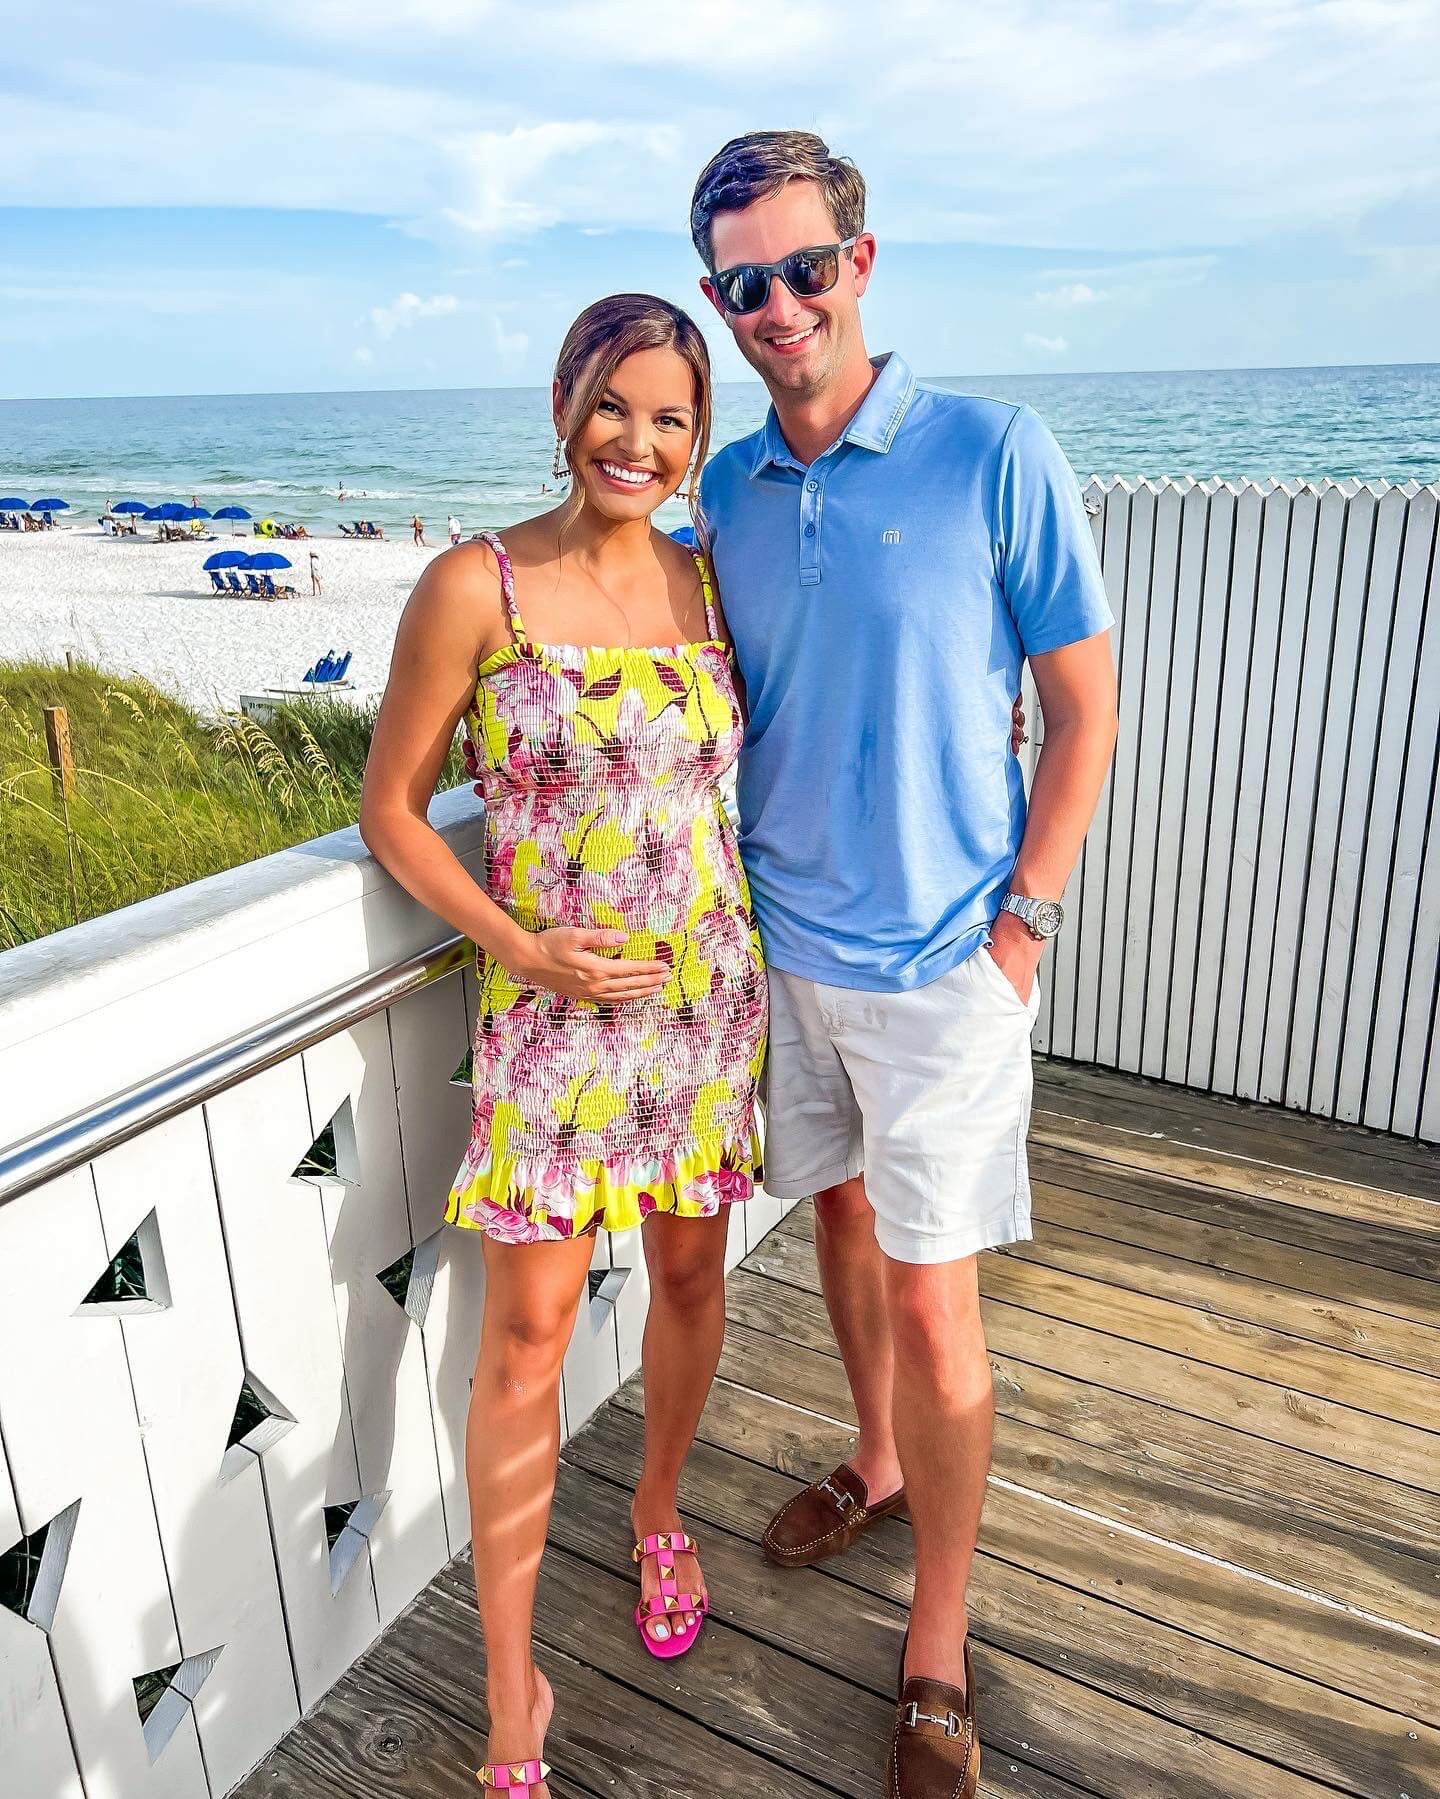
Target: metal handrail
[86,1134]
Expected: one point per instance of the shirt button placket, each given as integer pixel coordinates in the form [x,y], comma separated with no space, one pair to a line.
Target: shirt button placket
[812,497]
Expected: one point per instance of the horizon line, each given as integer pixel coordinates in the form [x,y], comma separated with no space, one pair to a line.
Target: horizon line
[319,393]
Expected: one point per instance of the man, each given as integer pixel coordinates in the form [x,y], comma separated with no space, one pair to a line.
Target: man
[887,558]
[315,586]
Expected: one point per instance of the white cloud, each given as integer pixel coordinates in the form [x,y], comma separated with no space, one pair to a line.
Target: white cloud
[1047,346]
[509,343]
[364,354]
[405,309]
[1070,293]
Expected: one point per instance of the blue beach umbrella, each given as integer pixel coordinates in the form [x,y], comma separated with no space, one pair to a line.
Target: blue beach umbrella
[49,506]
[231,512]
[268,559]
[189,512]
[226,559]
[14,505]
[132,506]
[168,513]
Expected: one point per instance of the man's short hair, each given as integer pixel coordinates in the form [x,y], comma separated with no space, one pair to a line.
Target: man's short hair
[757,166]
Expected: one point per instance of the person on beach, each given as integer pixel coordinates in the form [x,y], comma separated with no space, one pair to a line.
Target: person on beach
[315,586]
[417,531]
[622,998]
[452,525]
[889,556]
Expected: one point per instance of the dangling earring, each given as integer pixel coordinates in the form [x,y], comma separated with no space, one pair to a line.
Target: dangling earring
[559,468]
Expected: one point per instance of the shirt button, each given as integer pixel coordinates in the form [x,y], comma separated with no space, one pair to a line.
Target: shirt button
[809,530]
[812,487]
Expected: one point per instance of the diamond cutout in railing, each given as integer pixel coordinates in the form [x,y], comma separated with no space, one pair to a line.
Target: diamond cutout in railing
[411,1280]
[32,1570]
[606,1285]
[464,1075]
[332,1156]
[136,1280]
[164,1695]
[259,1421]
[347,1531]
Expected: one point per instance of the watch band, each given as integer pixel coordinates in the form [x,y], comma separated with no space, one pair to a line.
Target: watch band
[1041,917]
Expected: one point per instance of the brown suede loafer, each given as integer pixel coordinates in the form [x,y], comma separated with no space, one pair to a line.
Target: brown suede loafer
[824,1519]
[934,1748]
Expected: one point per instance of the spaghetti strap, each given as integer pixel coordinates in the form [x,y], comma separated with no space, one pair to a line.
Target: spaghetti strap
[507,584]
[712,624]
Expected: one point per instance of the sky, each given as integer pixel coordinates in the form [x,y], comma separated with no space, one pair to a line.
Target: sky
[246,196]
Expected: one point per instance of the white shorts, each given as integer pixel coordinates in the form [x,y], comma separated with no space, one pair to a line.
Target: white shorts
[927,1093]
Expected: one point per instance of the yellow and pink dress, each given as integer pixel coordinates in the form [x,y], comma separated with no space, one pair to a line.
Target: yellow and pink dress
[600,769]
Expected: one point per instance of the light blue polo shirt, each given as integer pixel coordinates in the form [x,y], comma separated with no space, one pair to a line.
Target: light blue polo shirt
[881,602]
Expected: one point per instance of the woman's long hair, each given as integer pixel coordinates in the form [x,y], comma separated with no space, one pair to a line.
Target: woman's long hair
[600,340]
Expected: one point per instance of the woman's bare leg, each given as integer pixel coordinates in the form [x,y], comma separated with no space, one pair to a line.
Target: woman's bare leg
[512,1444]
[684,1330]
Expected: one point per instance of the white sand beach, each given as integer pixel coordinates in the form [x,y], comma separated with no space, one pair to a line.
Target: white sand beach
[134,606]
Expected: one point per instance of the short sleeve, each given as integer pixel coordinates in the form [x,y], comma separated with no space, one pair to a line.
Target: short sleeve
[1044,548]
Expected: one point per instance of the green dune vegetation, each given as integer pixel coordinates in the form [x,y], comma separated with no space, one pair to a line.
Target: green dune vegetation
[162,795]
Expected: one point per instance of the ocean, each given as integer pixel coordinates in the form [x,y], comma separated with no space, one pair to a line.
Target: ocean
[483,453]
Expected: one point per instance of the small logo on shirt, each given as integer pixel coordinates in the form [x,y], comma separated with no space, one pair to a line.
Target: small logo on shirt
[891,536]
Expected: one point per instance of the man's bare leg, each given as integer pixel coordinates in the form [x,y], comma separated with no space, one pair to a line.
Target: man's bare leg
[852,1278]
[944,1410]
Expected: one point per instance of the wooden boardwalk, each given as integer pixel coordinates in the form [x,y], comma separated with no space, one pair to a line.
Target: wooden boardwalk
[1210,1562]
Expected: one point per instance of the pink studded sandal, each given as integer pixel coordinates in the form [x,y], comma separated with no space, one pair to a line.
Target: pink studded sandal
[669,1603]
[515,1778]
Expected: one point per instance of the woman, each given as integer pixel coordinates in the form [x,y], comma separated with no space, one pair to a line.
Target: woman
[621,1016]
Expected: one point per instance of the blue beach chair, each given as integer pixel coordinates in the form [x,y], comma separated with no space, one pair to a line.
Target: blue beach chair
[217,581]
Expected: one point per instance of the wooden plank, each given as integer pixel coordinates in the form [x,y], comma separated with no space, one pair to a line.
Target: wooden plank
[1169,825]
[1286,592]
[1114,974]
[1364,842]
[1363,1259]
[1087,1734]
[742,1690]
[1220,937]
[1366,1406]
[1222,1271]
[1139,1147]
[1155,677]
[1250,749]
[1067,1623]
[1093,921]
[1243,1361]
[1201,793]
[370,1738]
[1309,1052]
[1103,1404]
[1410,731]
[1262,1134]
[1322,1138]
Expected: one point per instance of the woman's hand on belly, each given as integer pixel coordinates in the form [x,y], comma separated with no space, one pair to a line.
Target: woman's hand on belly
[574,962]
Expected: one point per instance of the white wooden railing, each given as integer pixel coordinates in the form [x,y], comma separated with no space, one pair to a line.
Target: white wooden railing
[1257,909]
[164,1076]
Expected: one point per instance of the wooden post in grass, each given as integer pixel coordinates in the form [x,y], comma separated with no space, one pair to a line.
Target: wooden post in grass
[62,777]
[57,743]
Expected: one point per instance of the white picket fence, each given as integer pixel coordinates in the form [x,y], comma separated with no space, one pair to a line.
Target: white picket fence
[244,1018]
[1257,909]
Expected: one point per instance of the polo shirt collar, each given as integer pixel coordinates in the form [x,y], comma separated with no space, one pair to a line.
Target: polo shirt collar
[873,426]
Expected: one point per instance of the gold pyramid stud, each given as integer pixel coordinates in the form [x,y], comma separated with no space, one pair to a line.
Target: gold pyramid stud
[671,1603]
[517,1775]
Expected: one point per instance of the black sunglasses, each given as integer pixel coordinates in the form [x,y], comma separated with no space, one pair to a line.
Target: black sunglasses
[746,287]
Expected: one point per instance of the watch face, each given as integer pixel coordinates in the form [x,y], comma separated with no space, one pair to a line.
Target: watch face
[1049,915]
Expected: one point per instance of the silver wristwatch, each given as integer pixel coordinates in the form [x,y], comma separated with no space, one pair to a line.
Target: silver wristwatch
[1041,917]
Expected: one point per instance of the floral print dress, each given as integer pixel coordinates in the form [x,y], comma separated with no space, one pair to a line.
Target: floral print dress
[600,770]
